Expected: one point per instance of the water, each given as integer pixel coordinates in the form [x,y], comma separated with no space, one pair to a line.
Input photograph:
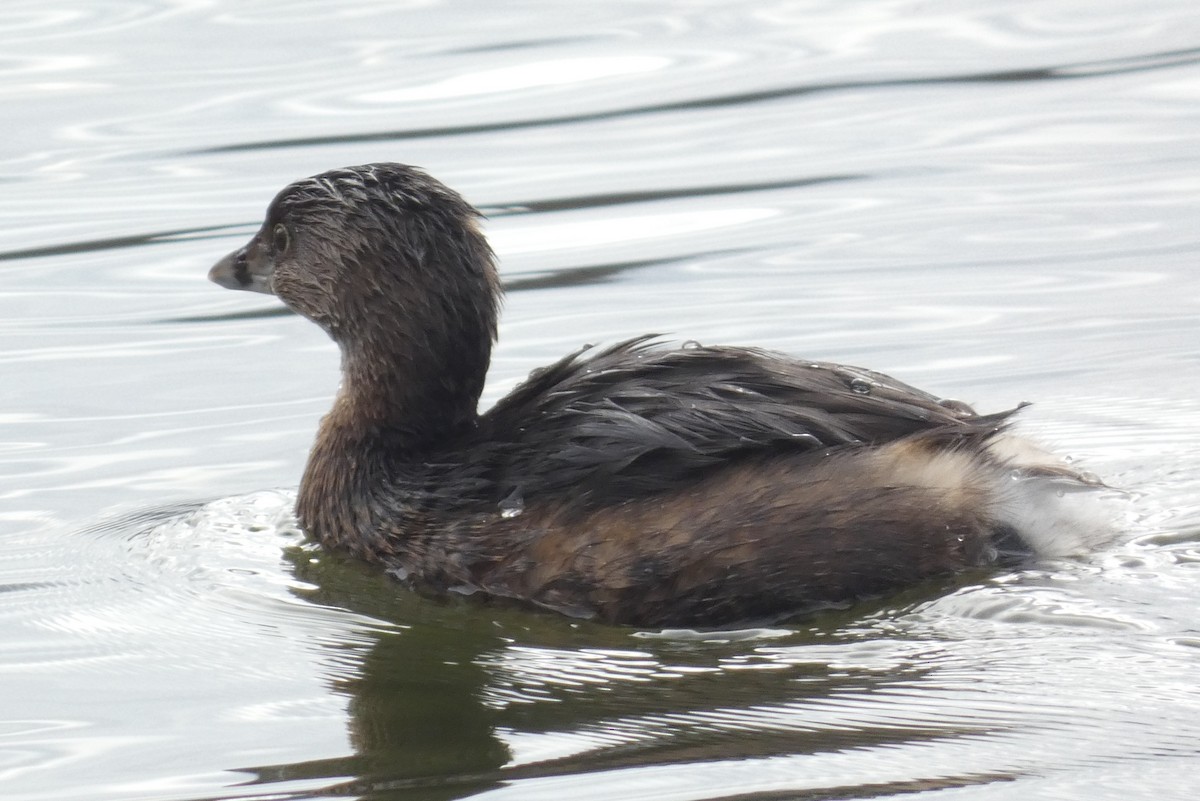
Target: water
[996,201]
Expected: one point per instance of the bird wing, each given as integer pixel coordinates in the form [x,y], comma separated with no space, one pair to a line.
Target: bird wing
[637,418]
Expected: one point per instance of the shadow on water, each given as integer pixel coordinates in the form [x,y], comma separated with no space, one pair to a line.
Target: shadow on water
[622,198]
[428,704]
[523,44]
[1085,69]
[121,242]
[592,274]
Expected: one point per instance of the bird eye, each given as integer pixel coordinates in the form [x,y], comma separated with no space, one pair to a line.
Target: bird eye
[280,238]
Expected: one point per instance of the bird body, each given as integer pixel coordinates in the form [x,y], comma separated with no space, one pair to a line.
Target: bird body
[639,483]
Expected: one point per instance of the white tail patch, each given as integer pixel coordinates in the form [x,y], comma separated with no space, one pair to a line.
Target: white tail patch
[1057,510]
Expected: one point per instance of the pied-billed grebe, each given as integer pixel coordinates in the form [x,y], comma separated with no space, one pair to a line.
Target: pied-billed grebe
[635,484]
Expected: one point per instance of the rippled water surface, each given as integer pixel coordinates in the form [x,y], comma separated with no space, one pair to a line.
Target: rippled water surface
[998,201]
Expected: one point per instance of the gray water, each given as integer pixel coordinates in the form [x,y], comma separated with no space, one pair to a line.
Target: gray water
[997,201]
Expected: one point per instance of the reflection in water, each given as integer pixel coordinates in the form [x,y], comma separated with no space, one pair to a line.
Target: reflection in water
[416,721]
[461,699]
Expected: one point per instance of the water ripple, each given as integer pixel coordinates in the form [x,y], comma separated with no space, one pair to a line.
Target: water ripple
[1092,69]
[996,201]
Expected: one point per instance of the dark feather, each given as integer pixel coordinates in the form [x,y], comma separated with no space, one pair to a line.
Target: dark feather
[638,418]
